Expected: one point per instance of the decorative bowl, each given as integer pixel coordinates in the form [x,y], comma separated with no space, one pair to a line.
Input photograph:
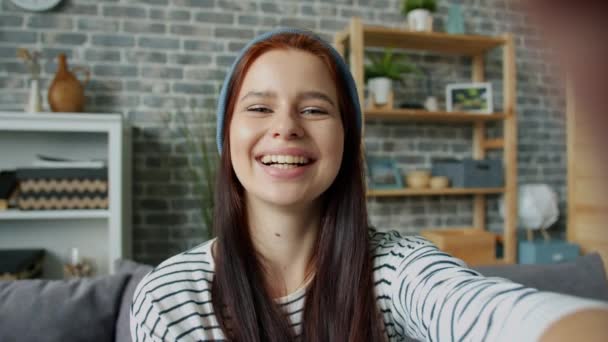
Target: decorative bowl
[418,179]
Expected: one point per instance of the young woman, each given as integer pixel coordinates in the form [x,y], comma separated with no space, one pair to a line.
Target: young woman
[294,258]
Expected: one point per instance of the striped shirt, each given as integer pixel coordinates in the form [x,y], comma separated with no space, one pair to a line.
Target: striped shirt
[421,292]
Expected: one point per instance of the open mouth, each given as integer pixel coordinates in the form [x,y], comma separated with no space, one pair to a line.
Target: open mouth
[285,161]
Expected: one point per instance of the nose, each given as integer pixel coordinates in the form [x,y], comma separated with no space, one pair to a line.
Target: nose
[287,125]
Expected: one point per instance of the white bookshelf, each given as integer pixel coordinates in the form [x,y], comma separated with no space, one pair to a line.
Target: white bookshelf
[101,235]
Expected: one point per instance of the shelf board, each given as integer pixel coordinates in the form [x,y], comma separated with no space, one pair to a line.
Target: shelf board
[433,192]
[53,214]
[60,122]
[426,116]
[470,45]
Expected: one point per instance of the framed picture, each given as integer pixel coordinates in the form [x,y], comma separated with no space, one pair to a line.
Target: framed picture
[469,97]
[382,173]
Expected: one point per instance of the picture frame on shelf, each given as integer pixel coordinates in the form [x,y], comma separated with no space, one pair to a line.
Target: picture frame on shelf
[382,173]
[475,97]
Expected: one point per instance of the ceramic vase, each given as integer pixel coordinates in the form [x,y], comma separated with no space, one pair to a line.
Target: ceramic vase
[66,93]
[455,20]
[34,104]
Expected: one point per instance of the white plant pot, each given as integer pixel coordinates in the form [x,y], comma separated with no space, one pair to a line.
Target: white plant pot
[419,20]
[431,104]
[379,88]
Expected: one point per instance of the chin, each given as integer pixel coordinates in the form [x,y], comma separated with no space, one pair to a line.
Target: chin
[284,198]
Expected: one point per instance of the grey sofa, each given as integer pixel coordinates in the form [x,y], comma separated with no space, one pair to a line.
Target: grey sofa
[97,309]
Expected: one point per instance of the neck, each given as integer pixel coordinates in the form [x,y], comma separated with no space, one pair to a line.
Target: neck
[284,238]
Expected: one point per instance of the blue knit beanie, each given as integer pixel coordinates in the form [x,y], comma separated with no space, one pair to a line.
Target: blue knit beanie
[343,72]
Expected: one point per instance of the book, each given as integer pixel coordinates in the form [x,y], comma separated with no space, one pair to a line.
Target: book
[21,263]
[44,161]
[8,184]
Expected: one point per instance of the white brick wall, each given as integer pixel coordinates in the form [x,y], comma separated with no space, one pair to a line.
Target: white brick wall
[150,57]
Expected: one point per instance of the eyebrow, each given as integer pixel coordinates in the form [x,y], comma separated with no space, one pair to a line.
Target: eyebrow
[305,95]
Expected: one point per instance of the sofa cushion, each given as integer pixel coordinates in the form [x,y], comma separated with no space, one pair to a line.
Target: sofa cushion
[60,310]
[137,272]
[582,277]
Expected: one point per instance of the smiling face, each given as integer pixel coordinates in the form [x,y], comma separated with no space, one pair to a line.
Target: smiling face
[286,134]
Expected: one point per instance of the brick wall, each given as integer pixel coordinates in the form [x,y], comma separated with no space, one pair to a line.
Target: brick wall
[149,58]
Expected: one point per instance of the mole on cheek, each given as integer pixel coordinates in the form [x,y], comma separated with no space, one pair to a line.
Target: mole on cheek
[277,234]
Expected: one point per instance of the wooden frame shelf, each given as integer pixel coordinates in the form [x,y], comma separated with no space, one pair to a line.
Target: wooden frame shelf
[470,45]
[433,192]
[356,37]
[418,115]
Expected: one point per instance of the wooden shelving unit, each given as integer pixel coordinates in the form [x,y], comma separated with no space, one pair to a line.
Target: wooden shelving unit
[379,36]
[587,199]
[417,115]
[357,36]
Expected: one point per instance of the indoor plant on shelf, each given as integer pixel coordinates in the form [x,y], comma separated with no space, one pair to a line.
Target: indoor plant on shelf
[203,158]
[418,14]
[382,71]
[32,62]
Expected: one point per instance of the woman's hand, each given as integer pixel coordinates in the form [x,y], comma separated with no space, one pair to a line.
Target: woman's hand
[586,325]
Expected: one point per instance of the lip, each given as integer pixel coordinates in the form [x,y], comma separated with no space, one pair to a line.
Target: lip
[287,174]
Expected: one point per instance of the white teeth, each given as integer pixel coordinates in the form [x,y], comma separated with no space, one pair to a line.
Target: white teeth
[283,166]
[284,159]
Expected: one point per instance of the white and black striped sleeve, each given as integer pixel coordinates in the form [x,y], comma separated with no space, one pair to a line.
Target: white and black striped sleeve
[147,324]
[436,297]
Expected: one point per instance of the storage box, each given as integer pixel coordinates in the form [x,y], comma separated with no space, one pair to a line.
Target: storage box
[62,188]
[546,252]
[470,173]
[473,246]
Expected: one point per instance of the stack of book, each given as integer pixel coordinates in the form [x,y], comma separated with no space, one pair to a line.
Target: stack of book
[18,264]
[8,188]
[61,184]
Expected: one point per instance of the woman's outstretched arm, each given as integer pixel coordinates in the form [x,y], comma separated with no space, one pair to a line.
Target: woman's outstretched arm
[431,296]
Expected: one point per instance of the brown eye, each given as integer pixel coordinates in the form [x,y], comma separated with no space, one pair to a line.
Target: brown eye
[259,109]
[314,111]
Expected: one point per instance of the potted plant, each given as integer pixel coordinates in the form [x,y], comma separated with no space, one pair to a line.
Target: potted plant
[382,71]
[204,159]
[418,14]
[32,62]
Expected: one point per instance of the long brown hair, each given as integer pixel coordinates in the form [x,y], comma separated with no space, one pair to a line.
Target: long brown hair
[340,301]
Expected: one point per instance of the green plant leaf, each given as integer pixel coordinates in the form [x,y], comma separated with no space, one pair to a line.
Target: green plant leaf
[203,176]
[410,5]
[389,66]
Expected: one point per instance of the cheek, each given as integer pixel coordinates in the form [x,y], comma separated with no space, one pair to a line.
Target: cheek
[241,137]
[333,145]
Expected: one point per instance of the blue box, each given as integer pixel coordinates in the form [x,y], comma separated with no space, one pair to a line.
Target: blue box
[470,173]
[546,252]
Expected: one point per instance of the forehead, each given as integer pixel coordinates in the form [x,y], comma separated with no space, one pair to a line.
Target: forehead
[288,71]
